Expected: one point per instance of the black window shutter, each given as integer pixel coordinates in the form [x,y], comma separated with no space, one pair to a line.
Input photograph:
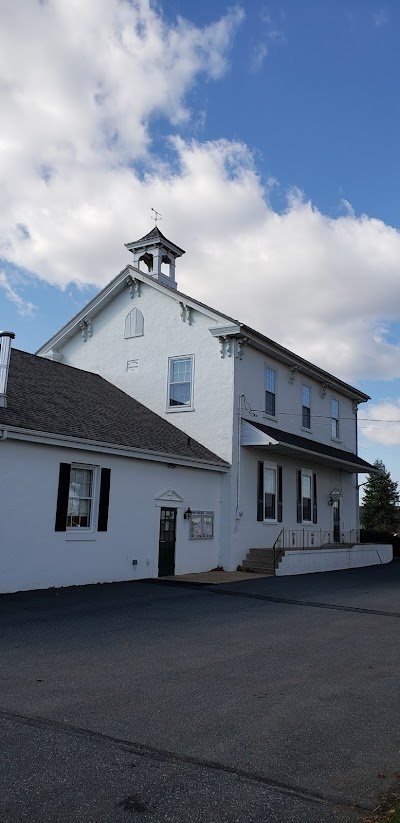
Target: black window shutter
[62,497]
[279,494]
[260,491]
[104,500]
[315,511]
[299,507]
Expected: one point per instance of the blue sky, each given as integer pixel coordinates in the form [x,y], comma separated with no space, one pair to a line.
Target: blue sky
[267,135]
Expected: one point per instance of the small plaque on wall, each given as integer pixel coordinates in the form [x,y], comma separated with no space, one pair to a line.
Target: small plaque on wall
[201,526]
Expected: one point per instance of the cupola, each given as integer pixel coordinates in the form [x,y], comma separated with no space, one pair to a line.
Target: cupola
[156,256]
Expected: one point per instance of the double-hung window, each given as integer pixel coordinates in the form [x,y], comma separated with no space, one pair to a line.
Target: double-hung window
[306,407]
[270,391]
[306,496]
[335,418]
[80,498]
[180,383]
[269,492]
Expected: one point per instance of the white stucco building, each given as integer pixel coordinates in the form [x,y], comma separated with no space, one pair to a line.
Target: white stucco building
[287,428]
[94,486]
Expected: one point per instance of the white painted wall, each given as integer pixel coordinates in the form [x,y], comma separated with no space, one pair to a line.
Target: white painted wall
[328,560]
[34,556]
[250,381]
[165,335]
[218,384]
[249,533]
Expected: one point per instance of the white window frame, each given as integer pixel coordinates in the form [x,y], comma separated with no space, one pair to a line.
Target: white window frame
[335,421]
[304,406]
[86,532]
[273,467]
[175,409]
[307,473]
[275,371]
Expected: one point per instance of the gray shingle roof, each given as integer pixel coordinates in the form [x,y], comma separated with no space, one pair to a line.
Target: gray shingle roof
[51,397]
[153,236]
[312,445]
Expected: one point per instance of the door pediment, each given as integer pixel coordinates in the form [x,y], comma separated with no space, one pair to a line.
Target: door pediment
[169,496]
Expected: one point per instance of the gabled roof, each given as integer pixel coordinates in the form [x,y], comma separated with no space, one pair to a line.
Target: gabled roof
[49,397]
[255,338]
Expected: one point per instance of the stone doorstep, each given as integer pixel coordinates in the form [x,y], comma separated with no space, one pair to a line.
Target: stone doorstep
[213,577]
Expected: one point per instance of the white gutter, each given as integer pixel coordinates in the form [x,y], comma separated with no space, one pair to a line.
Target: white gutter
[50,439]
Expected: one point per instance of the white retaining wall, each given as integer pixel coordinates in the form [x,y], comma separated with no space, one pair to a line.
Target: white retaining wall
[328,560]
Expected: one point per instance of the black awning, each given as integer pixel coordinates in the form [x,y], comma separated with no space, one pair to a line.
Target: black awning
[282,442]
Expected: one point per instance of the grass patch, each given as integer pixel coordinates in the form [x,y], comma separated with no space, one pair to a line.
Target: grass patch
[389,813]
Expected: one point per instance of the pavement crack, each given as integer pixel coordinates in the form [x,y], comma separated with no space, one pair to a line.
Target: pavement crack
[164,755]
[289,600]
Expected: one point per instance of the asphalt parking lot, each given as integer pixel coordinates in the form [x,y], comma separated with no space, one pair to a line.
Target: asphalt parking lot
[273,700]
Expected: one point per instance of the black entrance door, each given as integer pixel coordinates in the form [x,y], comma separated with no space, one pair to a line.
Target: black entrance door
[166,549]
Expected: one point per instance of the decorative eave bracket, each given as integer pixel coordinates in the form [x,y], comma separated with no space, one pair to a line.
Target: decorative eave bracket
[133,285]
[86,328]
[230,339]
[186,312]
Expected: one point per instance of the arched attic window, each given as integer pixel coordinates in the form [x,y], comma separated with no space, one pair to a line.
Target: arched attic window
[134,323]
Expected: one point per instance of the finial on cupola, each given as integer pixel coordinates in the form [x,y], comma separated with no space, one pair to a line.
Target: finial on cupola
[155,251]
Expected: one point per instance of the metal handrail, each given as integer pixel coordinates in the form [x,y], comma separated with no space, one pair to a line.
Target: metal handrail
[308,538]
[278,550]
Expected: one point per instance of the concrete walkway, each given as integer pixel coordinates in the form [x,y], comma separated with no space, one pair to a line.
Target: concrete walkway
[213,578]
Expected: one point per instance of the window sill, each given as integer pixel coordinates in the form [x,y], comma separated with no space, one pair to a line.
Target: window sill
[336,439]
[80,535]
[270,522]
[270,416]
[180,409]
[306,429]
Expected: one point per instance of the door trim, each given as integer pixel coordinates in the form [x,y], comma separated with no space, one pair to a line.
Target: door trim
[167,499]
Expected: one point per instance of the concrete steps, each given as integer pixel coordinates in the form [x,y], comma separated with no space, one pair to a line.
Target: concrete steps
[261,560]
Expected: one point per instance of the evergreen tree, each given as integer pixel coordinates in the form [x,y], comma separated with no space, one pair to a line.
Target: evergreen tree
[380,501]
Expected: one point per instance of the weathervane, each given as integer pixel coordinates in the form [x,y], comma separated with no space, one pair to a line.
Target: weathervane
[157,216]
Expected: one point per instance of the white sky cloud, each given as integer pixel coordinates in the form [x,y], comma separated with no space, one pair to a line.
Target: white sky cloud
[24,307]
[258,56]
[79,86]
[380,422]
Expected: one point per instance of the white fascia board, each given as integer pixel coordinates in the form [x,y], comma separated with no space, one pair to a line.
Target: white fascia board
[49,439]
[91,309]
[328,460]
[226,331]
[98,303]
